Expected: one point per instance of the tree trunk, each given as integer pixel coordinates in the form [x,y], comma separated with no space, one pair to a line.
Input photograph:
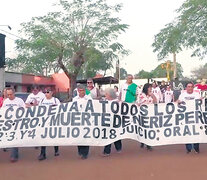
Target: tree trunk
[174,67]
[72,80]
[117,70]
[77,61]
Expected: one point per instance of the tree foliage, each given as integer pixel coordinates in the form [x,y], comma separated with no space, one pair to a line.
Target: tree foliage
[66,38]
[200,72]
[158,72]
[143,74]
[192,22]
[167,41]
[123,73]
[96,62]
[188,30]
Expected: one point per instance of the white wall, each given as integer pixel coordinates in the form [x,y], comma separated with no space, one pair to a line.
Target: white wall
[13,77]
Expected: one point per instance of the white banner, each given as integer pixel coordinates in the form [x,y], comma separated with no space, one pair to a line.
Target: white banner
[100,123]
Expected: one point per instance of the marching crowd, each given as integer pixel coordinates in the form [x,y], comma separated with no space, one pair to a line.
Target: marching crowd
[129,92]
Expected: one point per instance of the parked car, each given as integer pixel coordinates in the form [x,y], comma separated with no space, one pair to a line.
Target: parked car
[22,95]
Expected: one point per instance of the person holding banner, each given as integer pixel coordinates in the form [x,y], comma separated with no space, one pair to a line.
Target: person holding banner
[146,97]
[128,90]
[190,95]
[9,102]
[82,150]
[3,97]
[1,100]
[110,95]
[49,100]
[92,90]
[35,97]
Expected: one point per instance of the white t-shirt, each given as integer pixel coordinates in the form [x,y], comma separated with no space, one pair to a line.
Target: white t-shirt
[16,102]
[32,98]
[187,97]
[117,94]
[123,91]
[81,100]
[144,99]
[168,96]
[157,92]
[93,93]
[78,98]
[49,102]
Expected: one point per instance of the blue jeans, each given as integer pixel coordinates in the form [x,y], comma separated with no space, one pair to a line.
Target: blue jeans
[195,146]
[43,150]
[14,153]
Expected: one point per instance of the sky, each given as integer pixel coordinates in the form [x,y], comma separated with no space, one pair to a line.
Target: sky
[144,17]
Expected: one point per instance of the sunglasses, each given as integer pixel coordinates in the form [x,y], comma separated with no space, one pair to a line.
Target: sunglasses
[89,82]
[47,92]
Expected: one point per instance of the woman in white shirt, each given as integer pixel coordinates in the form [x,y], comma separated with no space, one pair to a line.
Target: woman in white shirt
[110,95]
[146,97]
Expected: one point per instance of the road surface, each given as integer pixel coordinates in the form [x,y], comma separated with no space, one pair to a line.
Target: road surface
[163,163]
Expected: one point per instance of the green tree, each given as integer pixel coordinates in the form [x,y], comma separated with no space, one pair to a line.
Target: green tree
[188,30]
[168,41]
[65,37]
[160,72]
[192,22]
[123,73]
[96,62]
[143,74]
[199,73]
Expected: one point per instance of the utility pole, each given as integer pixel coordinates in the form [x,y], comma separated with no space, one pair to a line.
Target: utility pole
[118,71]
[174,67]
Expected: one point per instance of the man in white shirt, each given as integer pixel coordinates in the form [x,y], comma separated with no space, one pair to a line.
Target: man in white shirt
[13,101]
[92,90]
[49,100]
[190,95]
[82,150]
[35,97]
[128,91]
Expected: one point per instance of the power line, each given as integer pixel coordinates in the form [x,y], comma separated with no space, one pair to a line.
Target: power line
[7,26]
[10,38]
[11,33]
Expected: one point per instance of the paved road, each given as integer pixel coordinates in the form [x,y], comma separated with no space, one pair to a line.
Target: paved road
[163,163]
